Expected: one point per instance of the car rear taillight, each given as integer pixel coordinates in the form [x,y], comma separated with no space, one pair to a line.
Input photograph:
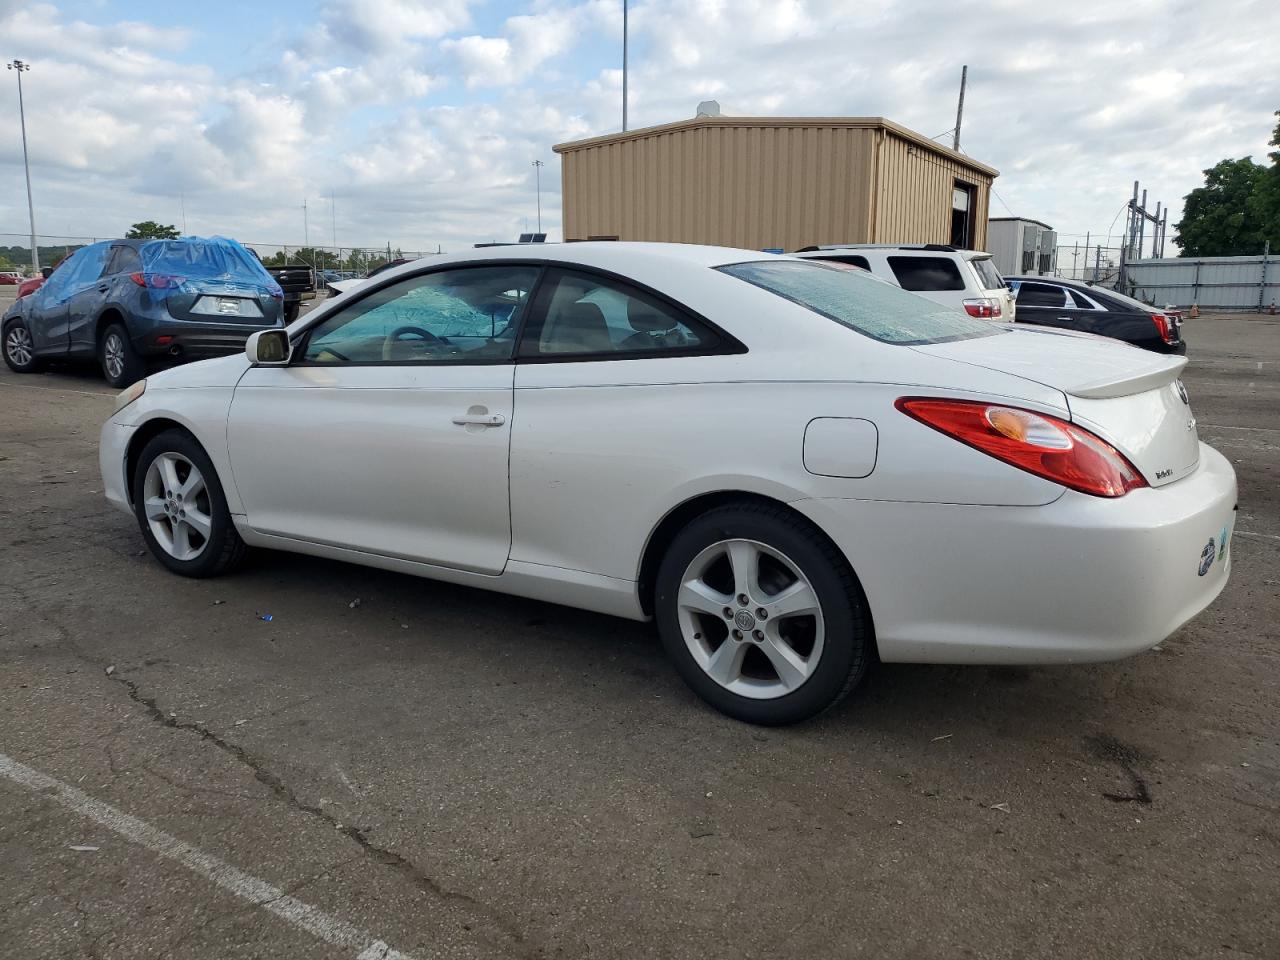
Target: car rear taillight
[1036,442]
[1165,326]
[984,308]
[157,281]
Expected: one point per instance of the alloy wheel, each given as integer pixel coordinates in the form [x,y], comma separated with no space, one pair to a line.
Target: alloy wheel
[18,346]
[177,506]
[750,618]
[113,355]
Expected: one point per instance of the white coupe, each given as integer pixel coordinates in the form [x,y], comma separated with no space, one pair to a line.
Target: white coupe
[791,467]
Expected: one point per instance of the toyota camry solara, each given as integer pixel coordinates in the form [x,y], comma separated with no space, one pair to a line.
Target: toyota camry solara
[790,467]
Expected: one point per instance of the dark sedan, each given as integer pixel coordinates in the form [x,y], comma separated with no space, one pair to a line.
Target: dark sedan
[122,301]
[1072,305]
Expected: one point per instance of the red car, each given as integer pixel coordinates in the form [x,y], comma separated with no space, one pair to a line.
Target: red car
[8,279]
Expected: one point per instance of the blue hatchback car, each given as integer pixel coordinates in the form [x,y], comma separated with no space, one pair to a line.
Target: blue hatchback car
[125,301]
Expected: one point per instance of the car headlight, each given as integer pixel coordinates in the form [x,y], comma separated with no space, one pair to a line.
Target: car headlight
[130,394]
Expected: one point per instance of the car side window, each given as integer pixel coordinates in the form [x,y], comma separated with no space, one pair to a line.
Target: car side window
[852,259]
[1042,295]
[123,260]
[926,273]
[1081,302]
[75,273]
[468,314]
[591,315]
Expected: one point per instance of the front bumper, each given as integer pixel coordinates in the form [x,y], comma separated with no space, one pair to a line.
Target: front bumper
[113,445]
[1080,579]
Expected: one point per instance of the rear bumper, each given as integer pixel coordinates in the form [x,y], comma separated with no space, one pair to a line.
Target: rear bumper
[195,340]
[1080,579]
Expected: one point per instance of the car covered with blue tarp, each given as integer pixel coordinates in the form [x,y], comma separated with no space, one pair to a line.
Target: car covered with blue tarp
[124,302]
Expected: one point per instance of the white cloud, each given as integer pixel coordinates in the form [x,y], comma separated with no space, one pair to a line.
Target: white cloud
[528,42]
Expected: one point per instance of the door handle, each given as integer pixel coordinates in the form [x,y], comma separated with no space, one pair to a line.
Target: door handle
[104,288]
[480,420]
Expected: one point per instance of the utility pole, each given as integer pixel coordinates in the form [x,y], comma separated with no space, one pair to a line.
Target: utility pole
[182,199]
[624,66]
[964,79]
[333,212]
[22,66]
[537,172]
[1135,233]
[306,230]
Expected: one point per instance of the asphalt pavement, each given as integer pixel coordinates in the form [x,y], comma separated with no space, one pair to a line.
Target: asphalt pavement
[392,766]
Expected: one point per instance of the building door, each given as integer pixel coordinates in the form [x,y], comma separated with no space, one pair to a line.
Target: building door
[962,216]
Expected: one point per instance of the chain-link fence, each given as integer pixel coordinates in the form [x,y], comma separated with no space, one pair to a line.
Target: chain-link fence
[1089,262]
[15,253]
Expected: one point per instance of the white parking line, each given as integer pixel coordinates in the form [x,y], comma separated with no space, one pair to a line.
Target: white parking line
[55,389]
[319,924]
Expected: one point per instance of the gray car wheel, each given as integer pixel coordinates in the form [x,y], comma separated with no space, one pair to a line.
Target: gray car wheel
[121,364]
[19,349]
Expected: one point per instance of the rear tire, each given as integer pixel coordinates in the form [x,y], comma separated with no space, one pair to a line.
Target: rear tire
[121,364]
[19,348]
[805,653]
[182,510]
[291,312]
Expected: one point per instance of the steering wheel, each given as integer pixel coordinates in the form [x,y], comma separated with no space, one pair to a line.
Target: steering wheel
[388,345]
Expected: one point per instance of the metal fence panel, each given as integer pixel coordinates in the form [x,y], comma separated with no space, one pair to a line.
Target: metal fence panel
[1213,283]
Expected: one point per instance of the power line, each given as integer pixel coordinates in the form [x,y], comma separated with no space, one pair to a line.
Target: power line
[1002,203]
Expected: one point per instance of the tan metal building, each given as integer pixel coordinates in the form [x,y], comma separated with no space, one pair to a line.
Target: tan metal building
[774,183]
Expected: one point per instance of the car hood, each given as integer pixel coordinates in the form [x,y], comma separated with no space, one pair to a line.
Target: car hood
[217,372]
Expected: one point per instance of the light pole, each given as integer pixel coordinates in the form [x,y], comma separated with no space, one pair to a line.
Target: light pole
[624,66]
[537,172]
[22,66]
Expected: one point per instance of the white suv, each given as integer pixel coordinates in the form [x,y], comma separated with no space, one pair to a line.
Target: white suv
[965,279]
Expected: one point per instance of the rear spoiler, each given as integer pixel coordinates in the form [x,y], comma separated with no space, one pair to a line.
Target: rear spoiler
[1140,382]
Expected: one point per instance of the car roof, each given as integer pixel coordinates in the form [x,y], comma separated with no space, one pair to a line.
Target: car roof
[907,247]
[602,254]
[1061,281]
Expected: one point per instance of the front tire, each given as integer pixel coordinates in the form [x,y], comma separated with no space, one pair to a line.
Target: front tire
[19,348]
[762,615]
[121,364]
[182,510]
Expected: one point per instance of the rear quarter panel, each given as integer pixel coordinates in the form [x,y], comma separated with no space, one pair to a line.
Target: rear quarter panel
[596,466]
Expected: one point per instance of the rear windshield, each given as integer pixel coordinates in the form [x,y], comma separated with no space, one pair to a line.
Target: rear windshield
[926,273]
[204,258]
[987,273]
[860,302]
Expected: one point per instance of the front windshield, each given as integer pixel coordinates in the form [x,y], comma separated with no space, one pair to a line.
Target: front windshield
[855,299]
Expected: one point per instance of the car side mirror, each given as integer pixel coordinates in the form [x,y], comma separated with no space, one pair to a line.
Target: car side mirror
[46,272]
[268,348]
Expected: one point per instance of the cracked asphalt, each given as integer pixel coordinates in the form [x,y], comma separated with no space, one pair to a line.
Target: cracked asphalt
[466,775]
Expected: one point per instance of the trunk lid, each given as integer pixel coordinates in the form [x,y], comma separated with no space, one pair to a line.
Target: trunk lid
[1132,398]
[223,301]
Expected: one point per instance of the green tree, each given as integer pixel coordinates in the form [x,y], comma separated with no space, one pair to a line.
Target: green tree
[1264,205]
[1220,218]
[1237,211]
[150,230]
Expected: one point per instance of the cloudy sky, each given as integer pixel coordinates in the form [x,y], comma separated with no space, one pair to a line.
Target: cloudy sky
[421,118]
